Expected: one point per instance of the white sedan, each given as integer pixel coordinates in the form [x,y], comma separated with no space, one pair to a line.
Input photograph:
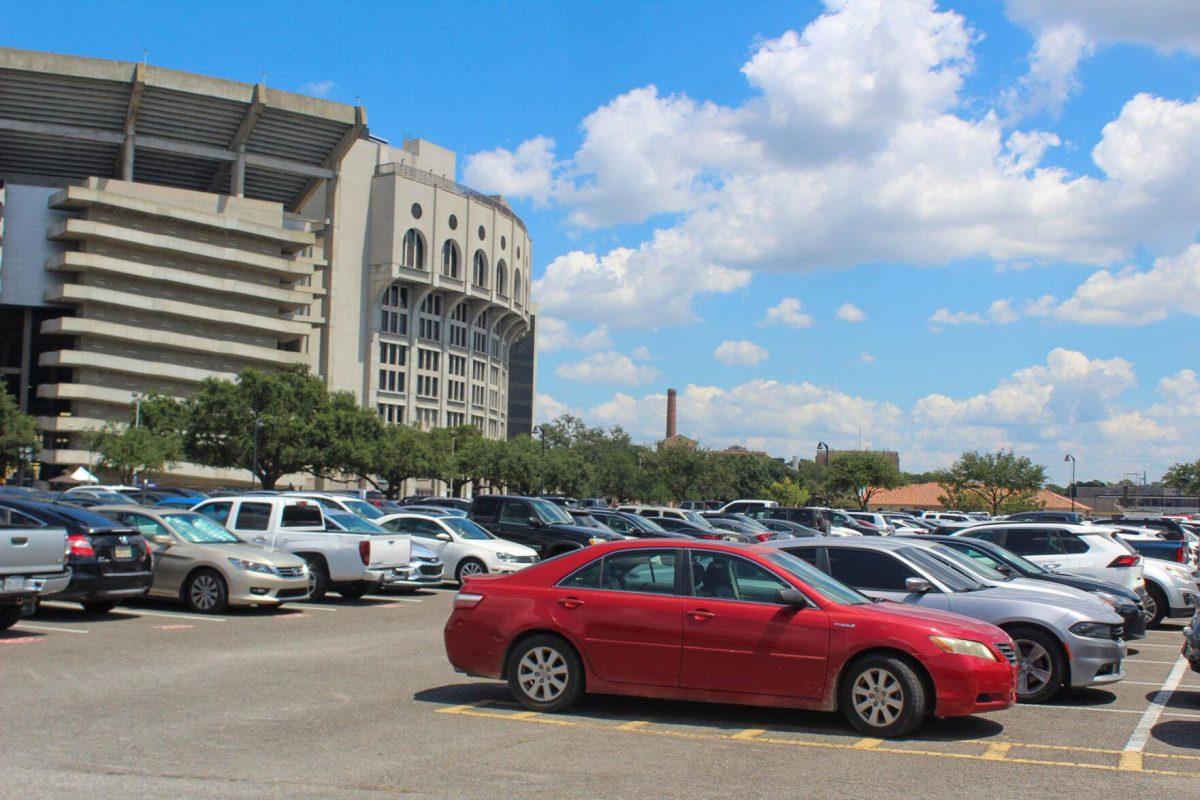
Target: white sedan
[465,547]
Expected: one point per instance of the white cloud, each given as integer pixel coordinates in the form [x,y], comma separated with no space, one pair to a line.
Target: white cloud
[1166,25]
[848,312]
[546,408]
[554,334]
[740,353]
[642,353]
[318,88]
[1000,312]
[1053,65]
[526,172]
[607,367]
[790,312]
[866,358]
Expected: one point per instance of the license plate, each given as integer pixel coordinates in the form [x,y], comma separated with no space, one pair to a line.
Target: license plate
[123,552]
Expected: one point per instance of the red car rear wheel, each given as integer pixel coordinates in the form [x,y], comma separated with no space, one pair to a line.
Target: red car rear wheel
[545,673]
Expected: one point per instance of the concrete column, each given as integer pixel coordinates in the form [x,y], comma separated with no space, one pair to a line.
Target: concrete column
[26,359]
[237,178]
[127,154]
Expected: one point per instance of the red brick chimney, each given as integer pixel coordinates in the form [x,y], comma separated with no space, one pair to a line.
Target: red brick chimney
[670,413]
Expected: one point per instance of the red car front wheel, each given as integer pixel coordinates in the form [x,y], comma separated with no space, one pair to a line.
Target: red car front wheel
[883,696]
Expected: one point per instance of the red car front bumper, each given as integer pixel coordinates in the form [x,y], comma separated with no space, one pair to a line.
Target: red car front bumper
[969,685]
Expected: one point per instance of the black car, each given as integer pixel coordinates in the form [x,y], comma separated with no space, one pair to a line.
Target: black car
[784,526]
[1071,517]
[634,525]
[1170,529]
[1127,604]
[688,529]
[109,561]
[534,522]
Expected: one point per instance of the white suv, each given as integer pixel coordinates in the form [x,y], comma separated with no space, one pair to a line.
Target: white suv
[1077,549]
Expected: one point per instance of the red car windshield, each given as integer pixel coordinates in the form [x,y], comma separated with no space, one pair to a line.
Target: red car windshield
[811,576]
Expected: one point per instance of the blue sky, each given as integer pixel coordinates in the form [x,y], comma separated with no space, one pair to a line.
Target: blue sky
[1005,191]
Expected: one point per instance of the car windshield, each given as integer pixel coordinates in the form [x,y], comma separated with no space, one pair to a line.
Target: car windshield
[98,494]
[199,529]
[549,513]
[838,518]
[1020,562]
[752,524]
[972,565]
[942,571]
[697,520]
[466,529]
[363,509]
[829,588]
[644,523]
[354,523]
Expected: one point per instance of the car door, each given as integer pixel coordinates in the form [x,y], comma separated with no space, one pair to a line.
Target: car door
[427,532]
[1039,545]
[171,561]
[625,611]
[881,574]
[514,522]
[738,637]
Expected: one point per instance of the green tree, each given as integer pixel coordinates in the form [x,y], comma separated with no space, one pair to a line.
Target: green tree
[518,465]
[17,431]
[999,480]
[398,453]
[787,492]
[679,468]
[1183,478]
[862,475]
[132,451]
[347,439]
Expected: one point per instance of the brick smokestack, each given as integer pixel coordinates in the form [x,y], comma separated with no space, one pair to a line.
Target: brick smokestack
[670,413]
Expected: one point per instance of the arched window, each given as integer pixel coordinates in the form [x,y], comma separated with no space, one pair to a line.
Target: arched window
[413,255]
[479,269]
[517,286]
[450,259]
[501,277]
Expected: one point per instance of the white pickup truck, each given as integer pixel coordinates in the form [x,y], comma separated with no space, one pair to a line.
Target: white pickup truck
[33,562]
[351,564]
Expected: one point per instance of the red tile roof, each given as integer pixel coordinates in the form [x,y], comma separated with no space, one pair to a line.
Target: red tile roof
[925,496]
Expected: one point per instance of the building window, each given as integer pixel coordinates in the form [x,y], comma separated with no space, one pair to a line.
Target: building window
[428,359]
[454,420]
[416,210]
[477,395]
[477,422]
[501,277]
[413,255]
[503,242]
[456,391]
[391,413]
[517,285]
[479,341]
[458,366]
[427,386]
[479,269]
[427,417]
[458,335]
[453,222]
[394,314]
[482,233]
[429,329]
[393,355]
[450,259]
[432,304]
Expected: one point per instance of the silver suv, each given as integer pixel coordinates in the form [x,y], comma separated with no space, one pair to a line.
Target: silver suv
[1062,642]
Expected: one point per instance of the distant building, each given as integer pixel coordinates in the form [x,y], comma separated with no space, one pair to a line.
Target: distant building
[738,450]
[823,455]
[522,371]
[926,497]
[1130,497]
[673,439]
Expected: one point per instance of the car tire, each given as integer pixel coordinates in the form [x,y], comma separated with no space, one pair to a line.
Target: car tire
[351,591]
[9,616]
[318,578]
[1041,667]
[1161,605]
[883,696]
[99,606]
[205,592]
[468,567]
[545,674]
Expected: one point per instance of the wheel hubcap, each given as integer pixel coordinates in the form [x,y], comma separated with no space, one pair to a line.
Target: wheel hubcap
[542,674]
[470,568]
[1151,607]
[205,592]
[878,697]
[1034,667]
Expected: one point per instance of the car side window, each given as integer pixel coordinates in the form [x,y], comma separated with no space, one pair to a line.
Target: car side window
[15,519]
[995,536]
[146,526]
[1070,543]
[725,577]
[869,569]
[1034,542]
[517,513]
[808,554]
[217,512]
[649,571]
[253,517]
[586,577]
[486,506]
[424,528]
[301,515]
[617,523]
[979,555]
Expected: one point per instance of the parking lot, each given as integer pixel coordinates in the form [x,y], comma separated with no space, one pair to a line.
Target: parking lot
[355,699]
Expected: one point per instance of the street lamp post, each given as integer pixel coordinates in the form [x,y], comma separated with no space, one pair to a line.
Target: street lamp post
[254,469]
[541,429]
[1071,458]
[24,456]
[828,452]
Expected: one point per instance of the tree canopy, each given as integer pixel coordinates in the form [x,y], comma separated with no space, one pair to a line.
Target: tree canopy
[862,475]
[992,482]
[17,431]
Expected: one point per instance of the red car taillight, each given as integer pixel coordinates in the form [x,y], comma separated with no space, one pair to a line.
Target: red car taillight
[364,551]
[80,545]
[708,536]
[1181,554]
[1125,561]
[764,537]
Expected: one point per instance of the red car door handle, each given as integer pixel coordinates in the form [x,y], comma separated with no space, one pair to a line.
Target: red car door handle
[701,615]
[569,602]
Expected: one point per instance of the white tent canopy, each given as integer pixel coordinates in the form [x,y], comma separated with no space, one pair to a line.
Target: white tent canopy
[83,475]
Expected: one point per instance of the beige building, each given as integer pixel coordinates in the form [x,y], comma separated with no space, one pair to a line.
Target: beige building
[160,228]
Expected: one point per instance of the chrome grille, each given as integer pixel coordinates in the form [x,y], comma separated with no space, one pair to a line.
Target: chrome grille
[290,572]
[1118,631]
[431,569]
[524,559]
[1008,652]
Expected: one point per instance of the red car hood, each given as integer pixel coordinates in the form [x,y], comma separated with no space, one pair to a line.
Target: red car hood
[943,622]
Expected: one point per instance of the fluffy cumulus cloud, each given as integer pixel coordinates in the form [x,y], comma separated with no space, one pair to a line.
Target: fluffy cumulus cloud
[607,367]
[856,145]
[554,334]
[740,352]
[318,88]
[1000,312]
[789,312]
[848,312]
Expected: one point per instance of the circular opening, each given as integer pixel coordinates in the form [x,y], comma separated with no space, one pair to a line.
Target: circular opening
[503,242]
[453,222]
[481,232]
[416,210]
[518,252]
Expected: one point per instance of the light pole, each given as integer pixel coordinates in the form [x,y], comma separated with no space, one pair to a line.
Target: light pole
[828,452]
[137,409]
[541,429]
[24,456]
[254,469]
[1071,458]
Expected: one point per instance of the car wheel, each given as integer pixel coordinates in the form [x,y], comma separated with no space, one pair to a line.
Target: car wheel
[353,591]
[206,593]
[545,674]
[9,616]
[318,578]
[883,696]
[1041,667]
[468,567]
[99,606]
[1156,605]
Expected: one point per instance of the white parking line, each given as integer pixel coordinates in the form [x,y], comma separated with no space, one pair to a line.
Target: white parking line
[1136,645]
[394,599]
[1135,660]
[196,617]
[1158,703]
[47,628]
[304,607]
[1110,710]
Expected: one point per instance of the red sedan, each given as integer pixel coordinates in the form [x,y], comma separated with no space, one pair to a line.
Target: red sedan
[727,623]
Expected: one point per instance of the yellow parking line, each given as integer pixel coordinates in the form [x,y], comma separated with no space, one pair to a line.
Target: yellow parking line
[523,715]
[1131,761]
[997,751]
[749,733]
[867,743]
[633,726]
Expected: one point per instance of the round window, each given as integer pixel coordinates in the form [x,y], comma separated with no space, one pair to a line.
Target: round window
[481,232]
[416,210]
[453,222]
[503,242]
[518,252]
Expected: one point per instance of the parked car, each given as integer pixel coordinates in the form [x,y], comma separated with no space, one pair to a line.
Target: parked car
[1071,517]
[793,528]
[536,523]
[424,568]
[758,627]
[740,506]
[340,502]
[677,525]
[208,568]
[592,502]
[701,505]
[33,561]
[688,521]
[873,518]
[904,523]
[349,563]
[1129,605]
[633,525]
[559,500]
[1060,643]
[583,516]
[1148,542]
[1079,549]
[436,511]
[828,520]
[445,502]
[109,561]
[1171,529]
[945,516]
[465,548]
[1191,643]
[103,494]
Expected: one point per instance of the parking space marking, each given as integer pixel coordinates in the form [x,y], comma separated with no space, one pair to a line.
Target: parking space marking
[23,639]
[48,628]
[1135,660]
[141,612]
[396,599]
[1108,710]
[1001,752]
[1158,703]
[302,607]
[1136,645]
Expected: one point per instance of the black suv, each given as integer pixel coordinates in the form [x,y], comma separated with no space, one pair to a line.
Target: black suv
[547,528]
[811,516]
[109,561]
